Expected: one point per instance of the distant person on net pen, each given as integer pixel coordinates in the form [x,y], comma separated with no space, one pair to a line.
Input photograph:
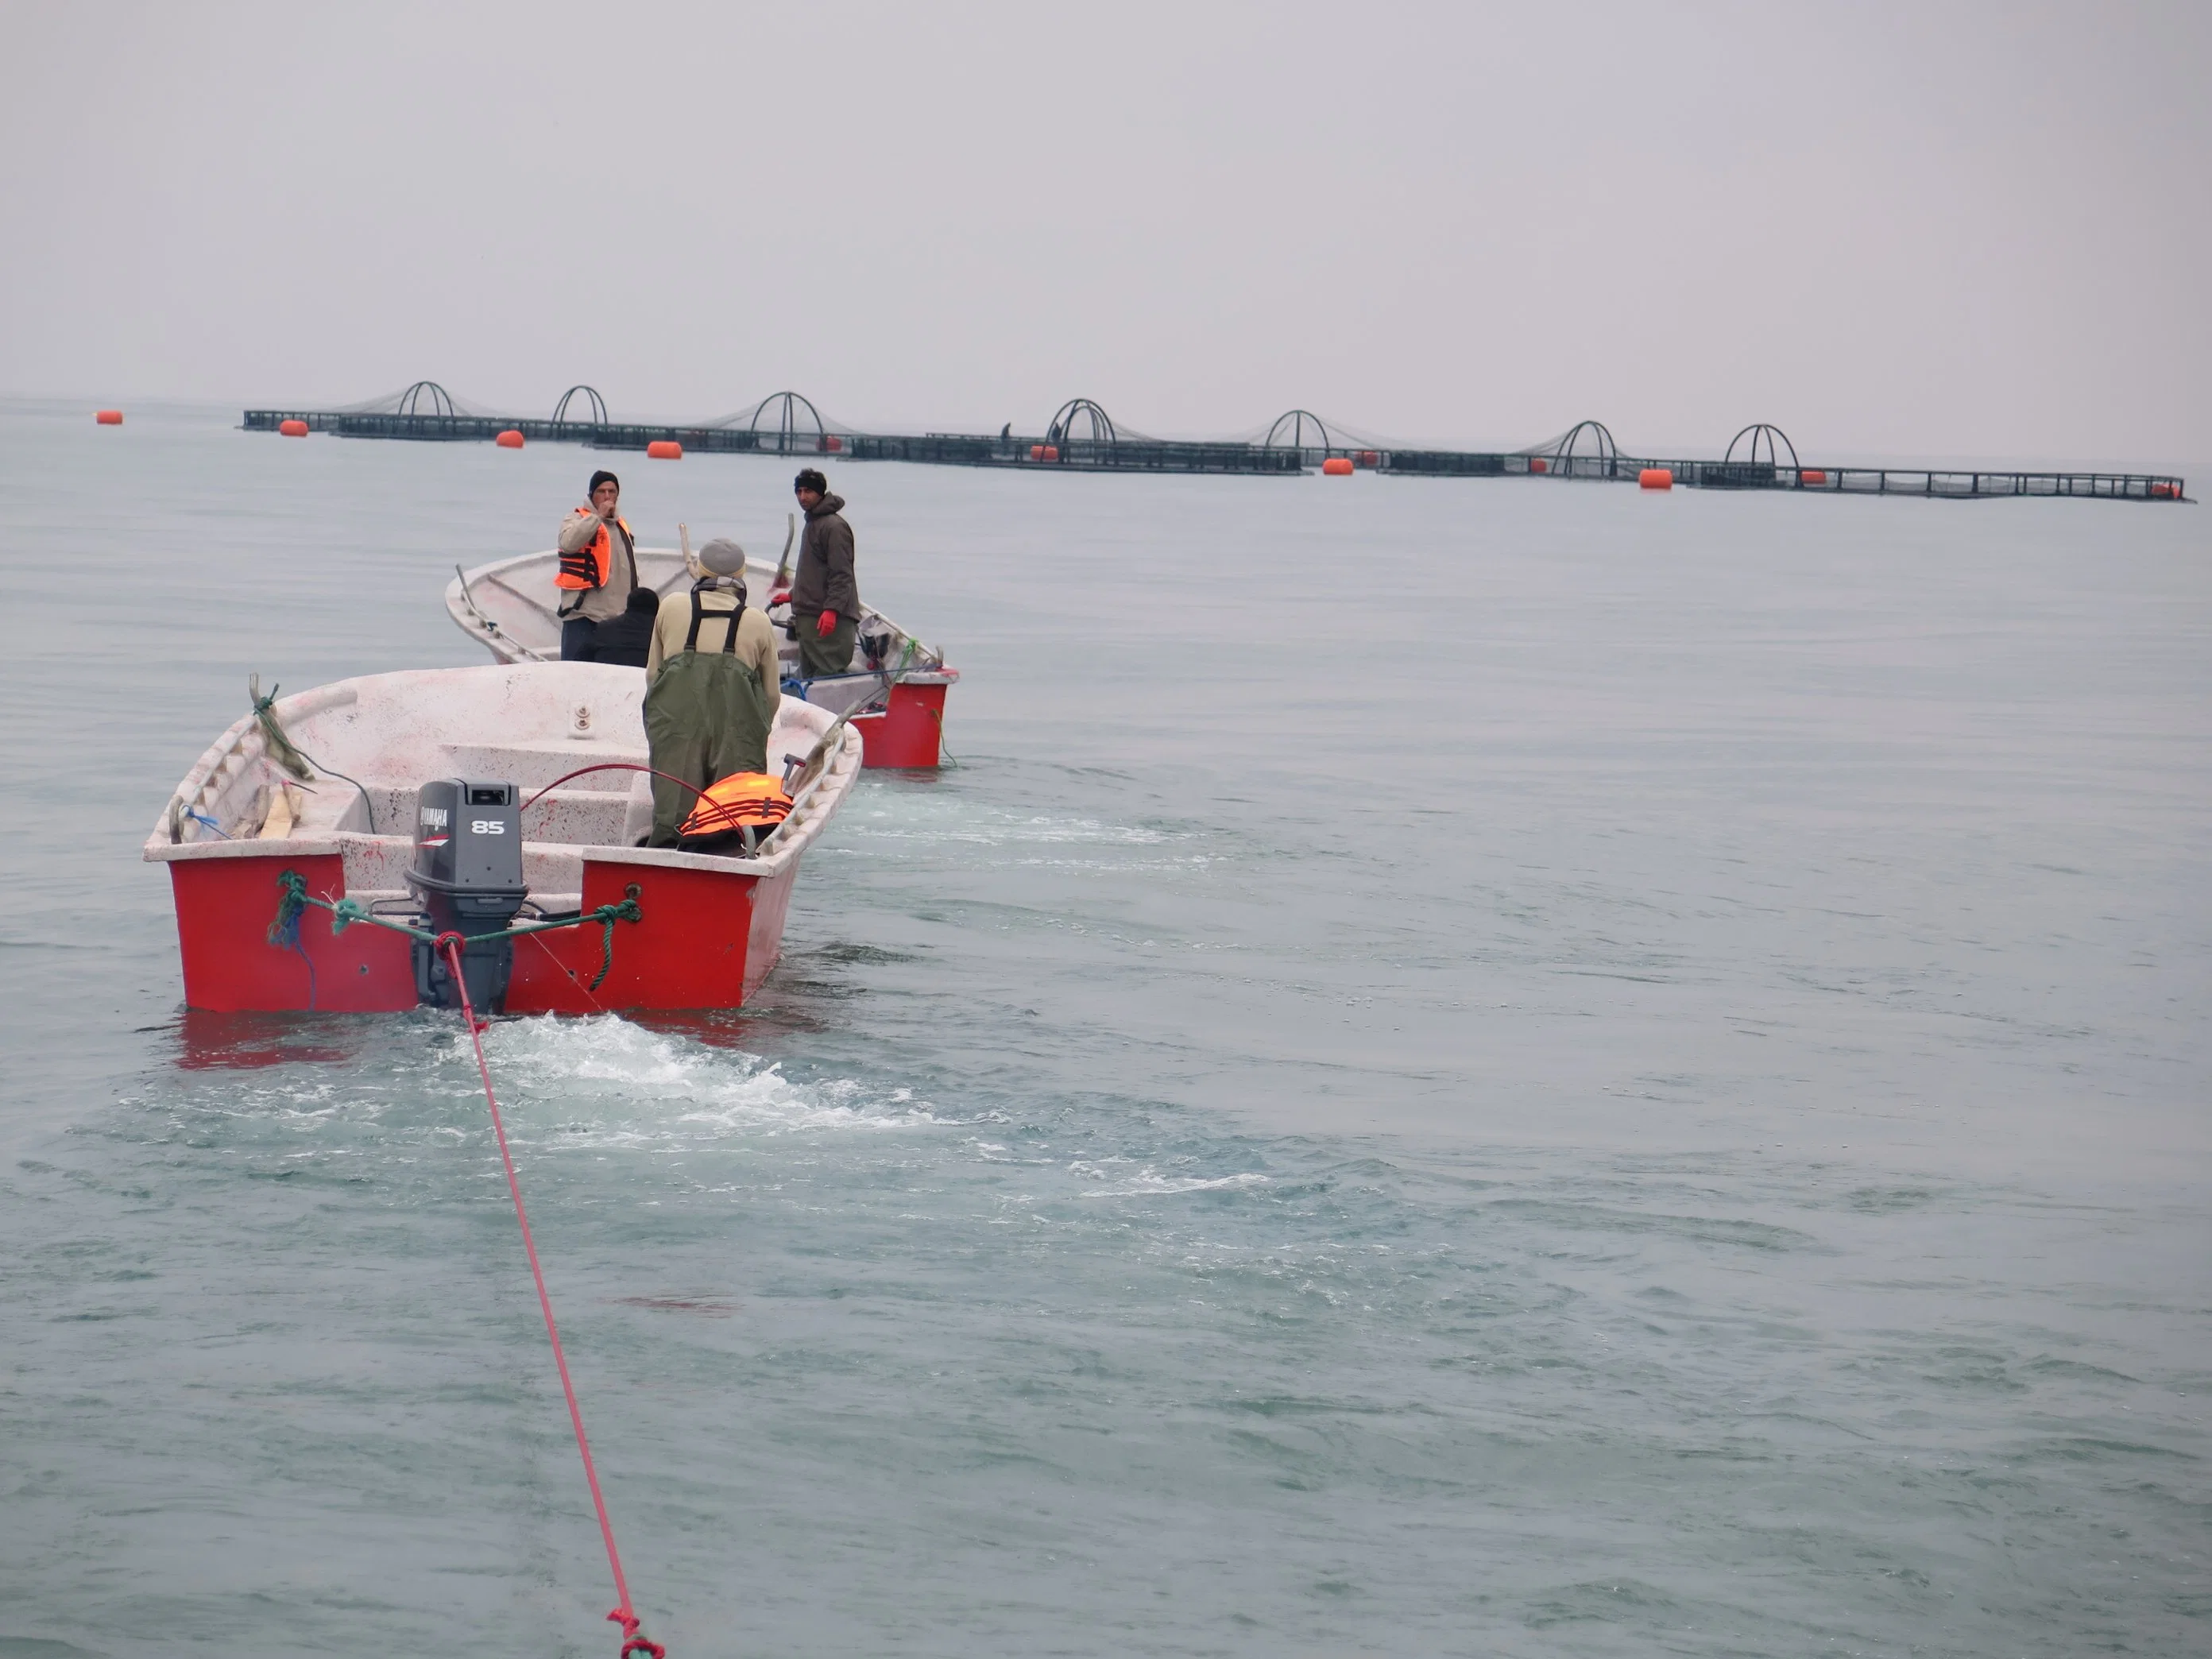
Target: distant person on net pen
[825,595]
[598,569]
[712,685]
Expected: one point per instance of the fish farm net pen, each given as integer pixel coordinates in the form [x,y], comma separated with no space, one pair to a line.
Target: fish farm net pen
[1081,437]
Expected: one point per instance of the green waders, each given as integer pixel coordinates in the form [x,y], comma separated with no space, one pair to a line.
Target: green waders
[817,656]
[705,716]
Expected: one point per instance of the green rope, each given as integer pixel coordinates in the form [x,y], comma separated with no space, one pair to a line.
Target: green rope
[272,731]
[293,759]
[285,930]
[606,956]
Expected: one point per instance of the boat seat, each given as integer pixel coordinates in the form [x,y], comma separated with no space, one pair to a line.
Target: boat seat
[581,818]
[534,765]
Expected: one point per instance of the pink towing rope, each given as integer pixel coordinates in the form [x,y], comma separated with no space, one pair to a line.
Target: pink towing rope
[634,1640]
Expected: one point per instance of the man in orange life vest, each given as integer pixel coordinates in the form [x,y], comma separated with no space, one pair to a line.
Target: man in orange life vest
[599,568]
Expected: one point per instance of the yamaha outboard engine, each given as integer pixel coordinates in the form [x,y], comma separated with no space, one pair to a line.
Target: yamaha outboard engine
[468,875]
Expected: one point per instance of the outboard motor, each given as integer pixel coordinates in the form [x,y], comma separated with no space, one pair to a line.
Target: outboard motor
[468,875]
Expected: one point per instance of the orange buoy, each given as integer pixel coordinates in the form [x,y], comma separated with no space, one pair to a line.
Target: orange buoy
[1052,452]
[664,449]
[1036,451]
[1368,458]
[1655,478]
[2166,490]
[509,439]
[831,443]
[1538,464]
[292,429]
[1337,466]
[109,418]
[1812,477]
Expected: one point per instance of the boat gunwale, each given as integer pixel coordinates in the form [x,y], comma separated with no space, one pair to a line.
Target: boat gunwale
[244,737]
[471,618]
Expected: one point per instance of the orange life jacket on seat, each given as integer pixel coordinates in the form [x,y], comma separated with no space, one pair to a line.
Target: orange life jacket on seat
[590,566]
[743,800]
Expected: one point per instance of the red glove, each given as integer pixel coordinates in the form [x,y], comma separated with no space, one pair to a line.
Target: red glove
[825,625]
[783,598]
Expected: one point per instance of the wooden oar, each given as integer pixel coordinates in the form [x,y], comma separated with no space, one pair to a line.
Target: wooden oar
[782,582]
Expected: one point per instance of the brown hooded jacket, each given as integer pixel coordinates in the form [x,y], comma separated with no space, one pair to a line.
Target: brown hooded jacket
[825,580]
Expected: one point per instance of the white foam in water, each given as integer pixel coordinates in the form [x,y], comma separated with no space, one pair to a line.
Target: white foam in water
[1149,1182]
[962,821]
[615,1084]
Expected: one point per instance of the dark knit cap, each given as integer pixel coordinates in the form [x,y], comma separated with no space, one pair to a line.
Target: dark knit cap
[810,479]
[644,600]
[599,479]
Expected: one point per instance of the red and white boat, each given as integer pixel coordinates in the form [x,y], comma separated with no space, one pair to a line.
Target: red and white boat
[507,607]
[658,928]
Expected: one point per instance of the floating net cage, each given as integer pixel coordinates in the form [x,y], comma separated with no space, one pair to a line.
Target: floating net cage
[1097,426]
[1302,430]
[424,398]
[785,424]
[591,412]
[1763,447]
[1584,450]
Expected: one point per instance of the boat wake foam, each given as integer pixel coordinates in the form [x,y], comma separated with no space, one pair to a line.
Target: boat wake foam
[622,1086]
[1148,1182]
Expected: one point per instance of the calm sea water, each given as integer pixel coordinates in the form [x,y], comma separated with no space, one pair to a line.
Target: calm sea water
[1505,1068]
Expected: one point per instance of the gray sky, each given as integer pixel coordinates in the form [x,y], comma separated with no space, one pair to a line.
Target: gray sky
[1912,230]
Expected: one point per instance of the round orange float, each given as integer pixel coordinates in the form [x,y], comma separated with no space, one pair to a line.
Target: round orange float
[292,429]
[1538,464]
[1812,477]
[1337,466]
[509,439]
[664,449]
[109,418]
[1655,478]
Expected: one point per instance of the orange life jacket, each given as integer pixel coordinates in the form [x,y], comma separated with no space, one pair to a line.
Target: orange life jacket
[590,566]
[743,800]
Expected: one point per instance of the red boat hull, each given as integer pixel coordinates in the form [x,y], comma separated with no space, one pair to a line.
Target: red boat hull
[706,940]
[908,733]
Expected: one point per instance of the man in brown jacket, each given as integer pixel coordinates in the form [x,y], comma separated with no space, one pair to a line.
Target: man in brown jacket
[825,595]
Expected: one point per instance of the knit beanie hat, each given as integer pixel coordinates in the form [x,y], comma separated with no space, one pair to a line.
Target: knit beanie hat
[722,557]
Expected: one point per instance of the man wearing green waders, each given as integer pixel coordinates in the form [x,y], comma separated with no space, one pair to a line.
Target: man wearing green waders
[710,686]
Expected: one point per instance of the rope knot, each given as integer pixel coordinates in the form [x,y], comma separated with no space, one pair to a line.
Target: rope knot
[633,1640]
[628,910]
[450,945]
